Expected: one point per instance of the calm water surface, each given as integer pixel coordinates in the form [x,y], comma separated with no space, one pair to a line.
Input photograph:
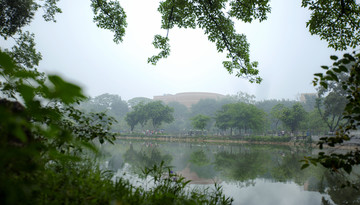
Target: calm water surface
[251,174]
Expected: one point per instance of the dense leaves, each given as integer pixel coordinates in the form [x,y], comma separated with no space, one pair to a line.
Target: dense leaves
[240,116]
[159,113]
[163,44]
[24,51]
[276,114]
[154,111]
[15,14]
[337,22]
[45,128]
[248,10]
[200,121]
[218,26]
[111,16]
[113,105]
[292,117]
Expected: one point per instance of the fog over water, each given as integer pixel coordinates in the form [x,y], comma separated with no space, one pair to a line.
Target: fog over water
[288,55]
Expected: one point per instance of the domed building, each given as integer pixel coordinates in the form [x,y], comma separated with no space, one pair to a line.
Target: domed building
[188,98]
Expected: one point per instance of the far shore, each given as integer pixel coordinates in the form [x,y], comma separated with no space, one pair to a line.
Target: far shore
[218,140]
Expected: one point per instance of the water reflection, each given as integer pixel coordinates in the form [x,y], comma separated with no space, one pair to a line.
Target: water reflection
[341,195]
[147,156]
[241,166]
[252,174]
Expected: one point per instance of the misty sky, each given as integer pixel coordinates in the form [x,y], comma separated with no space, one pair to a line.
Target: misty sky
[76,49]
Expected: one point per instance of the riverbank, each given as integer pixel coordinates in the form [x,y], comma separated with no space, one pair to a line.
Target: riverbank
[266,140]
[217,140]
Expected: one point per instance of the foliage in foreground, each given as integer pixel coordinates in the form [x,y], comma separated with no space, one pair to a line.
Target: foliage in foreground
[171,189]
[43,143]
[85,183]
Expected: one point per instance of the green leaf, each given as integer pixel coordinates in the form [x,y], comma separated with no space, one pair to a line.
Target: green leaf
[333,57]
[19,133]
[323,84]
[66,92]
[5,61]
[350,57]
[343,68]
[314,162]
[325,67]
[304,166]
[334,76]
[337,70]
[27,93]
[345,61]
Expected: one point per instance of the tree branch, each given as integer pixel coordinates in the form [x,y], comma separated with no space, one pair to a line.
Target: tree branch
[224,38]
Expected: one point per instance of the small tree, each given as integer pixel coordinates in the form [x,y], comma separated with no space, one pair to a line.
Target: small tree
[158,113]
[132,120]
[331,109]
[223,118]
[240,116]
[276,113]
[291,117]
[200,122]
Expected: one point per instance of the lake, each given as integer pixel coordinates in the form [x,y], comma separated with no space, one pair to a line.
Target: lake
[251,174]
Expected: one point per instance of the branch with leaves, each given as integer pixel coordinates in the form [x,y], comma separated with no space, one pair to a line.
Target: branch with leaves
[349,64]
[209,15]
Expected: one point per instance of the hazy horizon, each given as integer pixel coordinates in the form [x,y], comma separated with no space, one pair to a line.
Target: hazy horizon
[296,97]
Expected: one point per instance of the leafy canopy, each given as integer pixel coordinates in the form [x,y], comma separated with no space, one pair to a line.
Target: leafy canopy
[241,116]
[215,19]
[154,111]
[291,117]
[336,22]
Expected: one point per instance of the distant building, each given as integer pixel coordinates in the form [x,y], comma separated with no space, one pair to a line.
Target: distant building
[188,98]
[307,96]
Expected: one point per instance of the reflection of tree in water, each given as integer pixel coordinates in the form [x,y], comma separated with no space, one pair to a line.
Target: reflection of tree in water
[338,194]
[287,166]
[199,158]
[250,162]
[116,162]
[200,163]
[241,166]
[318,179]
[146,157]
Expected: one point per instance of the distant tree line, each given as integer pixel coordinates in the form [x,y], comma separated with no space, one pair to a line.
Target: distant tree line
[237,115]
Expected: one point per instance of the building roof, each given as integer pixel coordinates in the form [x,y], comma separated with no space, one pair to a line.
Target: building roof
[188,98]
